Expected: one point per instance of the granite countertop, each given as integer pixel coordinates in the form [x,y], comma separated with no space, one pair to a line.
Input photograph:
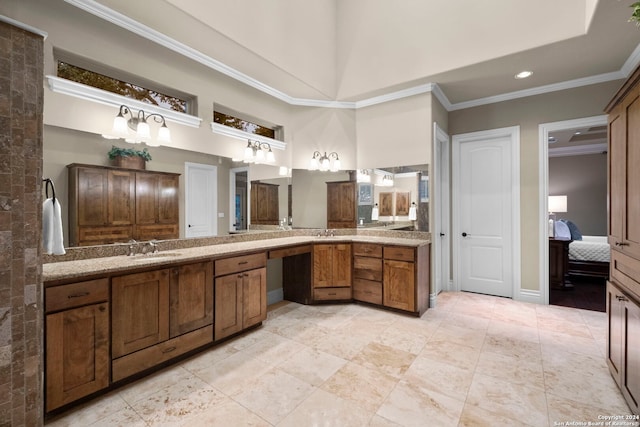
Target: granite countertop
[84,267]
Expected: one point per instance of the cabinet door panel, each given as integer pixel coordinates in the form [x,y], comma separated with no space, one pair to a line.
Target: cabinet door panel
[617,183]
[631,224]
[341,265]
[399,285]
[631,373]
[322,268]
[254,297]
[140,316]
[167,194]
[77,353]
[93,189]
[614,341]
[228,304]
[121,197]
[146,198]
[191,296]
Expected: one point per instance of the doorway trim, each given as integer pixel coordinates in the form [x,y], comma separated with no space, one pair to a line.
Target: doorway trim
[543,183]
[441,214]
[513,133]
[232,192]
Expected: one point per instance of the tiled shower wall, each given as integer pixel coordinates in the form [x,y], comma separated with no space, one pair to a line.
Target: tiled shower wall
[21,99]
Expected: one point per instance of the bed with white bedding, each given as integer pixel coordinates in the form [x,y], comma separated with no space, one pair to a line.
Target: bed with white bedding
[589,257]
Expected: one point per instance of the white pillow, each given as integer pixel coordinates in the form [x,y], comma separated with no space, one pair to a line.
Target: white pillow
[562,231]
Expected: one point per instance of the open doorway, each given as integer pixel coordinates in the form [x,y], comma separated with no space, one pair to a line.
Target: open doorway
[239,189]
[575,169]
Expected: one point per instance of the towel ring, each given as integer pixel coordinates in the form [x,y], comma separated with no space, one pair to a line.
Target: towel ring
[49,183]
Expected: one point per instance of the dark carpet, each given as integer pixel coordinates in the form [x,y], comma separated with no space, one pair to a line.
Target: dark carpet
[587,293]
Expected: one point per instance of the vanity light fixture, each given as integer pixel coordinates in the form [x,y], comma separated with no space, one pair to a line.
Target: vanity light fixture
[363,175]
[138,123]
[258,152]
[324,162]
[387,181]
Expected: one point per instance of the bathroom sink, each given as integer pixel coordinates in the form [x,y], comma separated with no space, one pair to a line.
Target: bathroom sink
[158,256]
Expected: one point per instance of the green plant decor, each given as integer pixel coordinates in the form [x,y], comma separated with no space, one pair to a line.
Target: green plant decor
[635,16]
[129,152]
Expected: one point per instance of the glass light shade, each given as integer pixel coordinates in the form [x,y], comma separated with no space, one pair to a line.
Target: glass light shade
[375,213]
[143,132]
[164,134]
[248,154]
[335,166]
[324,164]
[413,213]
[120,128]
[260,156]
[557,204]
[313,164]
[271,158]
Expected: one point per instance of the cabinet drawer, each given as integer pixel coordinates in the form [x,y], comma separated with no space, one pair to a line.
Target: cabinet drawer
[76,294]
[399,253]
[240,263]
[367,290]
[285,252]
[329,294]
[367,268]
[367,249]
[104,235]
[149,357]
[157,231]
[626,271]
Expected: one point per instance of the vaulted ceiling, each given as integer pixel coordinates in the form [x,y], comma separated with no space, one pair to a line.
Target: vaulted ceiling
[352,50]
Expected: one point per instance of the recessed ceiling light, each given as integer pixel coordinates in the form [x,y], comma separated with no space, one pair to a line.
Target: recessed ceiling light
[523,74]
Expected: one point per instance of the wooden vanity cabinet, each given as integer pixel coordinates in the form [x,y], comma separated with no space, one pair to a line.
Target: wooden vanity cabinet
[76,341]
[159,315]
[331,271]
[108,205]
[623,290]
[405,284]
[341,204]
[264,203]
[240,293]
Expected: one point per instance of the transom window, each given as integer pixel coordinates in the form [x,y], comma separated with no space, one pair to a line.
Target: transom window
[244,125]
[130,90]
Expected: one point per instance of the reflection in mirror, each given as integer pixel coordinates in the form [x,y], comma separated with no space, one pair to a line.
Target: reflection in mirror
[394,197]
[309,196]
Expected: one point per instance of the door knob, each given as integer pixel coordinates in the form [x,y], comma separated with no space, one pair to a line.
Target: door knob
[464,234]
[441,234]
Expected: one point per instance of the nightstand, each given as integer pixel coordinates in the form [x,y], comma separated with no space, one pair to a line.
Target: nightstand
[559,263]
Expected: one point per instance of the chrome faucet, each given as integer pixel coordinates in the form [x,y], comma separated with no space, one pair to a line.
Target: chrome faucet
[133,245]
[150,247]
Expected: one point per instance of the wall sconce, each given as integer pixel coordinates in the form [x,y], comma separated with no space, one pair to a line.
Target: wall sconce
[363,176]
[375,213]
[387,181]
[121,126]
[255,152]
[325,162]
[413,212]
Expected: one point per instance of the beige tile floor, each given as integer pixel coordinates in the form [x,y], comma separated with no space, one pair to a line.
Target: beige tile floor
[473,360]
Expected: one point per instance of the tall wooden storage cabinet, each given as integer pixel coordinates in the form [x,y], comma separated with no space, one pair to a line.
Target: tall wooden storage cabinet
[623,290]
[264,203]
[341,204]
[108,205]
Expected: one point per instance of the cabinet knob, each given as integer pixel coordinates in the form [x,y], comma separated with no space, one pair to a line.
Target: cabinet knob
[102,308]
[464,234]
[621,298]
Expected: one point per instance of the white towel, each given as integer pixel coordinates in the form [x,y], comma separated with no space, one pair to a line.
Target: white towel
[52,237]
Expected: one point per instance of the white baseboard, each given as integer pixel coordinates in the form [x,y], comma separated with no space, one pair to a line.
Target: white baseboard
[528,295]
[275,296]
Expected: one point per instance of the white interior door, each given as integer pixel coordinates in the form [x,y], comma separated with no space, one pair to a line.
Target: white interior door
[486,196]
[441,230]
[201,195]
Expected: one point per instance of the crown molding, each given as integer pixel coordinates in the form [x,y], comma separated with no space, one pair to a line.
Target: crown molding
[23,26]
[89,93]
[578,150]
[244,136]
[123,21]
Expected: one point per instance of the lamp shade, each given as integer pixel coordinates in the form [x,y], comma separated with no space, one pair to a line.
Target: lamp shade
[557,204]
